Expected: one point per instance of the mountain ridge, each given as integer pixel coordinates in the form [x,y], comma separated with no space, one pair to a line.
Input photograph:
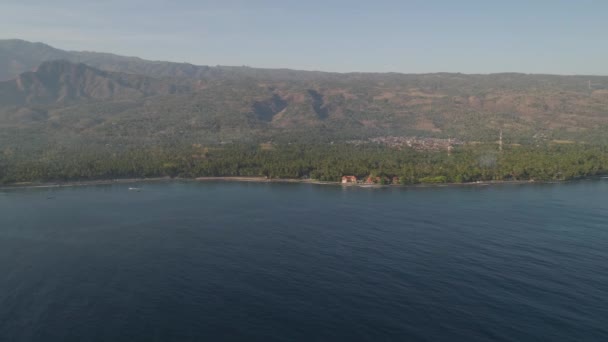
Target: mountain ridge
[168,102]
[63,82]
[40,52]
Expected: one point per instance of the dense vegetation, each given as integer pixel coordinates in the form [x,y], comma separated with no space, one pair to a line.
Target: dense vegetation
[322,162]
[86,115]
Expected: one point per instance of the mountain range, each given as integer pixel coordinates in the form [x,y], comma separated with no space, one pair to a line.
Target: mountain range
[52,97]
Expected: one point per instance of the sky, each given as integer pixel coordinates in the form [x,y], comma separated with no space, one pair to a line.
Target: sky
[530,36]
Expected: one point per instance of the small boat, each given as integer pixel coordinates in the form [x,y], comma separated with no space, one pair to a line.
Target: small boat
[135,189]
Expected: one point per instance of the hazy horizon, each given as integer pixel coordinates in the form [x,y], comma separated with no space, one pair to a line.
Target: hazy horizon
[387,36]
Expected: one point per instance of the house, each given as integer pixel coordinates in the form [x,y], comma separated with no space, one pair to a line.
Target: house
[349,179]
[376,180]
[395,180]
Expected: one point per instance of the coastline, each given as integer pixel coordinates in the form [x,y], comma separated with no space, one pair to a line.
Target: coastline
[67,184]
[33,185]
[263,180]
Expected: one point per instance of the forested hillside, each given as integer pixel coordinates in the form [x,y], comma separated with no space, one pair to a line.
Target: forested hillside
[59,103]
[105,97]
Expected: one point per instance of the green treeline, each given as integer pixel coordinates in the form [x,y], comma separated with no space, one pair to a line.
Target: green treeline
[322,162]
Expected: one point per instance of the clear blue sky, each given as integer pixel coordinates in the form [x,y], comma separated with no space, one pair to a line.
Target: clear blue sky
[559,37]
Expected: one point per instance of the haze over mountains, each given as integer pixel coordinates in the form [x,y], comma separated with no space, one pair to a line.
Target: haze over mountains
[51,96]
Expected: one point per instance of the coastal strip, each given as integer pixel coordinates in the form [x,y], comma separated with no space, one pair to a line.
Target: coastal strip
[33,185]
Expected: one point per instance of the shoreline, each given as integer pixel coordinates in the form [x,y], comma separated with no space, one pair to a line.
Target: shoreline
[69,184]
[33,185]
[263,180]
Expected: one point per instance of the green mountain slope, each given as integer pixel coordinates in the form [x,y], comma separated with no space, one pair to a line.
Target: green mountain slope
[120,101]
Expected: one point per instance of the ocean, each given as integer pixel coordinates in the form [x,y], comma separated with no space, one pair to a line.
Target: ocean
[227,261]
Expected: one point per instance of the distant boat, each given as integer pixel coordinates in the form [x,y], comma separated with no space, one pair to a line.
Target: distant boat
[135,189]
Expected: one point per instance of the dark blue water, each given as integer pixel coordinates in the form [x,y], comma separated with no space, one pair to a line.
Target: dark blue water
[292,262]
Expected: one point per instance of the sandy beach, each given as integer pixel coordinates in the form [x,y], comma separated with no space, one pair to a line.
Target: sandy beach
[253,180]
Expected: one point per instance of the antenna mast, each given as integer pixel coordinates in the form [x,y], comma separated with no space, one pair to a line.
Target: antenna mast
[450,146]
[500,141]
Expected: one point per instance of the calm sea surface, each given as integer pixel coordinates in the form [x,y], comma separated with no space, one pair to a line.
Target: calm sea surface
[296,262]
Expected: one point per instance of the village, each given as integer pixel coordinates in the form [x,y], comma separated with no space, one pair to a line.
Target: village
[416,143]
